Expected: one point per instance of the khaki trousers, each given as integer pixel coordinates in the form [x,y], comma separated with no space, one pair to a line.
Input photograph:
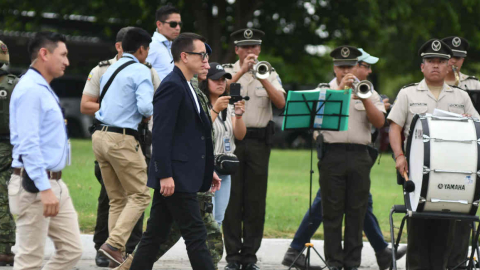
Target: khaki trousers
[33,229]
[124,173]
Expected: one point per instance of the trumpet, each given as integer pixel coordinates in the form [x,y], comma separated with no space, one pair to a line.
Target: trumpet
[261,70]
[362,89]
[457,75]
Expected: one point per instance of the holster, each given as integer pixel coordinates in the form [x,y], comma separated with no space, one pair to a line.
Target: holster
[145,139]
[373,152]
[28,184]
[269,132]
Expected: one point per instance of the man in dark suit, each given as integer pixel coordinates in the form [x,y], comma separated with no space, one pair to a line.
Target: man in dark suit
[182,159]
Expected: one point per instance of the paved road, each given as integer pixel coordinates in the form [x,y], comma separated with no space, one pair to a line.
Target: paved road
[270,256]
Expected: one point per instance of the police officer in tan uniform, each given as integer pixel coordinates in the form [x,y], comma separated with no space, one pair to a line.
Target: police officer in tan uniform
[428,240]
[459,48]
[245,214]
[89,105]
[345,168]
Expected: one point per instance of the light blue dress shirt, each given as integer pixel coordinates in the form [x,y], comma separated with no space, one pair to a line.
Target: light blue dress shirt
[129,97]
[37,129]
[160,55]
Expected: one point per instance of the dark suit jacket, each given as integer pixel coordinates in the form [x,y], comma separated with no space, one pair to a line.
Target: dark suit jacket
[182,140]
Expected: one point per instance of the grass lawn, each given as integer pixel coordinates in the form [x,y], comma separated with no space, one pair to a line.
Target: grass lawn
[288,186]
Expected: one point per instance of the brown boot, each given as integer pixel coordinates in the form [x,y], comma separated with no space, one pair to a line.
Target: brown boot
[112,253]
[6,259]
[126,264]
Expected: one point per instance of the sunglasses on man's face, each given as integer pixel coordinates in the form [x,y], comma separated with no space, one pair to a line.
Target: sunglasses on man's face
[173,24]
[203,55]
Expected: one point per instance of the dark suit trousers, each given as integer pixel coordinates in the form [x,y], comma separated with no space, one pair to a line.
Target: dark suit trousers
[184,210]
[247,202]
[101,226]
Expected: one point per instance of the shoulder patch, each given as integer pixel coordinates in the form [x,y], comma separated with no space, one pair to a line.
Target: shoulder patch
[408,85]
[471,78]
[227,65]
[323,85]
[104,63]
[148,65]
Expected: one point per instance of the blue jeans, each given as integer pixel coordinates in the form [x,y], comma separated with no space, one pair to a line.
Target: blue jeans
[305,232]
[222,196]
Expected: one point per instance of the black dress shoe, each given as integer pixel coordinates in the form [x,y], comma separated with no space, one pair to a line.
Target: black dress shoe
[232,266]
[351,268]
[250,266]
[334,268]
[101,260]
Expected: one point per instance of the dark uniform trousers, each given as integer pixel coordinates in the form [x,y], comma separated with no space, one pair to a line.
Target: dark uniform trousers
[460,244]
[101,227]
[247,201]
[429,243]
[345,187]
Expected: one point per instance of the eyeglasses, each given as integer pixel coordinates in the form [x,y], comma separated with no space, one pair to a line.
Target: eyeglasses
[365,66]
[204,55]
[173,24]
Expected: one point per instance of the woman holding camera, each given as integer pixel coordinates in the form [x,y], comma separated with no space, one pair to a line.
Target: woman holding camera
[228,126]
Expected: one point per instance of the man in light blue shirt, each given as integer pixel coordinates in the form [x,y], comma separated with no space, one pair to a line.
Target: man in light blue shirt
[126,93]
[38,133]
[169,23]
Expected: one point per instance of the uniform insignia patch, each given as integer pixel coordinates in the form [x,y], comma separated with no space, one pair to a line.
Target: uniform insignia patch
[248,34]
[90,76]
[279,80]
[4,48]
[436,45]
[456,41]
[345,52]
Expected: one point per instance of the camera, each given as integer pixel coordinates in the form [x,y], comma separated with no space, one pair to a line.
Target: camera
[235,93]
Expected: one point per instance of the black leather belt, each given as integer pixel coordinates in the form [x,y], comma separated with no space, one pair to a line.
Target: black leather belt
[345,147]
[128,131]
[51,175]
[256,133]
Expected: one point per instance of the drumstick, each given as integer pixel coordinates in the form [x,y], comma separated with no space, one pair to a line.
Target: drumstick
[409,185]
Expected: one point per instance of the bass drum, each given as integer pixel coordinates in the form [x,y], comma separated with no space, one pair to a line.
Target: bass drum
[443,162]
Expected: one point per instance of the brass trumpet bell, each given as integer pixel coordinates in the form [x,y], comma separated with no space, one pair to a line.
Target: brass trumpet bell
[262,70]
[362,89]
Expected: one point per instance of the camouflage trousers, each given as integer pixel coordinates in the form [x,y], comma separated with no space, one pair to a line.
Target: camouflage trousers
[214,235]
[7,223]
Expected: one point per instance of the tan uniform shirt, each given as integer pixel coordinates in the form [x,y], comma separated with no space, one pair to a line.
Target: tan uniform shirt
[468,82]
[417,99]
[258,110]
[359,128]
[92,87]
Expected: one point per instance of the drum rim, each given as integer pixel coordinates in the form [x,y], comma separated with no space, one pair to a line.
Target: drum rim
[426,160]
[476,195]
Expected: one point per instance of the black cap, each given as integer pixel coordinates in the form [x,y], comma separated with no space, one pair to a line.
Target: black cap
[345,56]
[458,45]
[248,36]
[216,71]
[208,49]
[435,48]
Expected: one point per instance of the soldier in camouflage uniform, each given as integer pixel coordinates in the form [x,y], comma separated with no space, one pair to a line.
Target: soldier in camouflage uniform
[7,223]
[214,235]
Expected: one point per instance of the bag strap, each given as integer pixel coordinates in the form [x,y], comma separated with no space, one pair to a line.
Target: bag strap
[109,82]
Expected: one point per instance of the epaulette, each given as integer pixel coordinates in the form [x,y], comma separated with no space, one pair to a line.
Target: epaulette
[148,65]
[323,85]
[471,78]
[104,63]
[273,69]
[408,85]
[227,65]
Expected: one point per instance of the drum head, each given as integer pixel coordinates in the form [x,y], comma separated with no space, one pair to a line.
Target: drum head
[415,163]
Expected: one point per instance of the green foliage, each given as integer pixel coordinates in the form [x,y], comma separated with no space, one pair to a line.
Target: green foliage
[391,30]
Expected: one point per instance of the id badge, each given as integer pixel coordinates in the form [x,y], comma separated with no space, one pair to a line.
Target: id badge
[226,144]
